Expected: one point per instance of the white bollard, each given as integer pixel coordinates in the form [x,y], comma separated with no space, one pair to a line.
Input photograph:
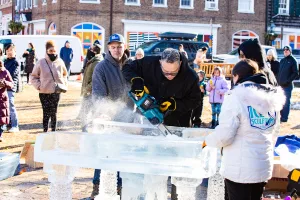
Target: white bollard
[186,187]
[132,186]
[108,186]
[60,178]
[156,187]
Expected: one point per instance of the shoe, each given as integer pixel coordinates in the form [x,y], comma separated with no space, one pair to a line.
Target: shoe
[1,139]
[217,123]
[119,191]
[283,121]
[95,191]
[4,127]
[14,130]
[213,124]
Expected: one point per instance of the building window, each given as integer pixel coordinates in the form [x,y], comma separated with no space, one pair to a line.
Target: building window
[89,1]
[35,3]
[132,2]
[160,3]
[292,41]
[189,4]
[211,5]
[54,1]
[44,2]
[88,33]
[135,39]
[239,37]
[284,7]
[246,6]
[52,29]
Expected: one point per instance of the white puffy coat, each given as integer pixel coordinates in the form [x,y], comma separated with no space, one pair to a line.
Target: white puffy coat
[247,136]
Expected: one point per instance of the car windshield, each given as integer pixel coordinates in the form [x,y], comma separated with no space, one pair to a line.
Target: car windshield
[147,46]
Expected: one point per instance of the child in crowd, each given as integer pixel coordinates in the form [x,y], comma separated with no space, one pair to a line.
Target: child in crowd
[217,87]
[196,115]
[6,82]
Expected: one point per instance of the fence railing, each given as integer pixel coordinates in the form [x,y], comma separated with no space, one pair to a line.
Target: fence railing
[209,67]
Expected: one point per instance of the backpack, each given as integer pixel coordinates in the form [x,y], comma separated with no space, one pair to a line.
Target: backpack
[294,181]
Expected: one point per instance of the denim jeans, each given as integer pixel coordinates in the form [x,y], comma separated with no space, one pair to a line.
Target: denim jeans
[12,109]
[286,108]
[96,179]
[216,110]
[68,66]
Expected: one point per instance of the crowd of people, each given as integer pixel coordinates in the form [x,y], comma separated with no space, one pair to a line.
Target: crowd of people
[245,115]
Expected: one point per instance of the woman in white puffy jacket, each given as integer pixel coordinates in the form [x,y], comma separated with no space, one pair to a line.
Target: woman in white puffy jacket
[248,122]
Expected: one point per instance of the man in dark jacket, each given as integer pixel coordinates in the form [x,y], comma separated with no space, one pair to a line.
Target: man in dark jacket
[108,83]
[288,72]
[12,65]
[66,54]
[170,81]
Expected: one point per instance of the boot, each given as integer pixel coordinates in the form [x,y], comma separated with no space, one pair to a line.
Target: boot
[95,191]
[173,193]
[213,124]
[217,123]
[119,191]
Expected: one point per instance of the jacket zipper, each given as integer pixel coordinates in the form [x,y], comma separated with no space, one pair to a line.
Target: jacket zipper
[214,91]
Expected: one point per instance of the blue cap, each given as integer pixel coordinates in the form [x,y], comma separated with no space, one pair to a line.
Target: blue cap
[116,38]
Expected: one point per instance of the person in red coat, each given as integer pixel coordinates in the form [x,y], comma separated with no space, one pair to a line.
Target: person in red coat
[6,82]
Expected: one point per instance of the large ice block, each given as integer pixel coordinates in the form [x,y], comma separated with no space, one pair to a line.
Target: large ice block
[117,151]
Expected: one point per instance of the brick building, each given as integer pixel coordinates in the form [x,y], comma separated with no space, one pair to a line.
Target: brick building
[283,18]
[233,21]
[5,15]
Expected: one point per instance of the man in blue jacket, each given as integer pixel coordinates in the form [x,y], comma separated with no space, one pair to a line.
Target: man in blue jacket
[108,83]
[66,54]
[288,71]
[12,65]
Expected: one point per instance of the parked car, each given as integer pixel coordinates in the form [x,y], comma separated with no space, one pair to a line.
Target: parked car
[39,41]
[233,56]
[173,40]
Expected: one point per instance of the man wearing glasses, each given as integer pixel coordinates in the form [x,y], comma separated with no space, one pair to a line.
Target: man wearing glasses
[170,81]
[288,71]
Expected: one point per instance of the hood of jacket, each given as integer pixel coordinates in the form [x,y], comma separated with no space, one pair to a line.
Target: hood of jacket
[263,98]
[115,63]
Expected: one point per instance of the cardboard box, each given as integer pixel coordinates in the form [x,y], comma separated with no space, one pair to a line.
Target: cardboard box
[278,170]
[27,154]
[277,184]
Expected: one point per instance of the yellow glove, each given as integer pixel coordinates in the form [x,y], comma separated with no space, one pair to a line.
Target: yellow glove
[138,87]
[169,104]
[211,82]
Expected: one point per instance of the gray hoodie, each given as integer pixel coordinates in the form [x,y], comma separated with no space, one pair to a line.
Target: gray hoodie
[108,80]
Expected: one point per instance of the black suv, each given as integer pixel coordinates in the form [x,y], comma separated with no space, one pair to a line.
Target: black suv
[173,40]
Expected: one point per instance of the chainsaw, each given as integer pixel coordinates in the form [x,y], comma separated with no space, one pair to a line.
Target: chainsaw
[149,108]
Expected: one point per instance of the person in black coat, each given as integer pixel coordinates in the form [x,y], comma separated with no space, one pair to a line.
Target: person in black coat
[288,72]
[29,56]
[251,49]
[170,81]
[273,62]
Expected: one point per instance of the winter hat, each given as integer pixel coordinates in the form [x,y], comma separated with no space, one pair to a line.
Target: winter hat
[50,44]
[253,51]
[116,38]
[67,42]
[288,48]
[97,42]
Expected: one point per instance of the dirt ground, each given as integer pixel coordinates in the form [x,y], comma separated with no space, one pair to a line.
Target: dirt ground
[30,116]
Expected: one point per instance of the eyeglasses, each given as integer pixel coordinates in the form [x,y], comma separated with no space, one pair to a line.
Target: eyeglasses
[169,73]
[286,49]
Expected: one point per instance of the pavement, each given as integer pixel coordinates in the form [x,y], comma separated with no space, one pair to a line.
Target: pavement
[35,185]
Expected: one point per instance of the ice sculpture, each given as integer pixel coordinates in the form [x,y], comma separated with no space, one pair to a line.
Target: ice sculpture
[154,158]
[288,160]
